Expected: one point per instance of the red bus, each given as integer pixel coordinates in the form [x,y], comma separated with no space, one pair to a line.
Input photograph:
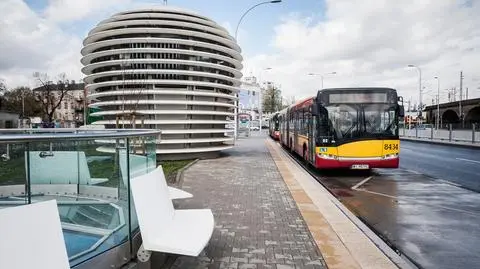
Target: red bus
[273,126]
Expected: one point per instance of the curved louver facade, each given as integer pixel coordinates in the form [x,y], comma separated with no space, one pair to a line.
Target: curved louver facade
[166,69]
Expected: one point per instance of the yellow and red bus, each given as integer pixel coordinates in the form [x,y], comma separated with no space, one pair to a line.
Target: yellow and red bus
[273,125]
[354,128]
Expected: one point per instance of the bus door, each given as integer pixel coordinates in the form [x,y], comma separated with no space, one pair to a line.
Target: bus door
[311,137]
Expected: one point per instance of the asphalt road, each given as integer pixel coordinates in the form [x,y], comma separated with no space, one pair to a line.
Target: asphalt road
[433,223]
[420,209]
[428,209]
[454,164]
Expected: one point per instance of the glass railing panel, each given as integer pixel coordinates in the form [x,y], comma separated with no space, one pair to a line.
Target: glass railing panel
[151,152]
[13,174]
[99,219]
[89,179]
[142,160]
[54,170]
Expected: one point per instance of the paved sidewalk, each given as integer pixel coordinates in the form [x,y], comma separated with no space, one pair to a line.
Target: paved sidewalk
[257,223]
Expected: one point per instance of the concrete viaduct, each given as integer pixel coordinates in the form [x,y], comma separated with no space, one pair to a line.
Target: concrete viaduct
[450,113]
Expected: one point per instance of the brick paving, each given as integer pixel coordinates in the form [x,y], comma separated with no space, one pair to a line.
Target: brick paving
[257,223]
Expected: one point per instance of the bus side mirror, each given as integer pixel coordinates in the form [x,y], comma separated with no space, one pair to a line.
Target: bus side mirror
[401,111]
[314,109]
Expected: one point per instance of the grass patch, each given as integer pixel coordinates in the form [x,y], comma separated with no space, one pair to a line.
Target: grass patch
[170,168]
[12,171]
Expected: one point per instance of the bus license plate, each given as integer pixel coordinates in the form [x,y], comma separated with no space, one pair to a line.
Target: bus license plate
[360,166]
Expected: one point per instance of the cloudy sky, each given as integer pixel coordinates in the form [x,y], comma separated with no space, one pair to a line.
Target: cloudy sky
[367,42]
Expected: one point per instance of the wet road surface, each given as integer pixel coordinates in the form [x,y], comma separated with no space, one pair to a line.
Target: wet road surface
[432,223]
[419,209]
[455,164]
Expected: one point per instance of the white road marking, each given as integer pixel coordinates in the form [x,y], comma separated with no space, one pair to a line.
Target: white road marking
[361,183]
[467,160]
[379,193]
[449,182]
[412,171]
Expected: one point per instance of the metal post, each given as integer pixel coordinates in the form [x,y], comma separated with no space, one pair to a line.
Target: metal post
[460,100]
[449,132]
[416,131]
[438,103]
[28,186]
[431,133]
[246,12]
[260,107]
[236,119]
[420,89]
[473,132]
[85,111]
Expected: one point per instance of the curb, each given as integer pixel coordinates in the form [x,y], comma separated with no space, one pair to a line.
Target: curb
[445,143]
[179,176]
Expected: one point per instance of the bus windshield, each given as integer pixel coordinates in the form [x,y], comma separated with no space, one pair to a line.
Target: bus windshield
[351,121]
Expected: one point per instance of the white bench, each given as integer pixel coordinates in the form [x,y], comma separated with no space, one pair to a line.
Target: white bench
[60,167]
[31,237]
[164,229]
[139,166]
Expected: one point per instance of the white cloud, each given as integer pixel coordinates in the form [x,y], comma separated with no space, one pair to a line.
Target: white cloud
[366,42]
[50,41]
[70,10]
[370,43]
[31,43]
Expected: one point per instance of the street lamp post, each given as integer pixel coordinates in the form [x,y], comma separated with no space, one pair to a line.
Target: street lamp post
[322,75]
[236,37]
[250,9]
[437,122]
[260,102]
[419,89]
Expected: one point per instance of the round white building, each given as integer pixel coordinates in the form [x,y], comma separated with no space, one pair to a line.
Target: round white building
[167,69]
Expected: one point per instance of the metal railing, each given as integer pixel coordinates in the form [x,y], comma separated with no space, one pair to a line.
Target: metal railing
[450,134]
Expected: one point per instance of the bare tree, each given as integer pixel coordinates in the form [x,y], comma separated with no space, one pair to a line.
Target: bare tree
[272,99]
[50,94]
[21,100]
[3,86]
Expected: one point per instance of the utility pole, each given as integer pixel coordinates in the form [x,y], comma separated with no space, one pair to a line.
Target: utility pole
[466,93]
[85,108]
[460,100]
[437,117]
[273,99]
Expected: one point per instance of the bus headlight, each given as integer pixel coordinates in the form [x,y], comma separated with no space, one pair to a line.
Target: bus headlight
[327,156]
[391,156]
